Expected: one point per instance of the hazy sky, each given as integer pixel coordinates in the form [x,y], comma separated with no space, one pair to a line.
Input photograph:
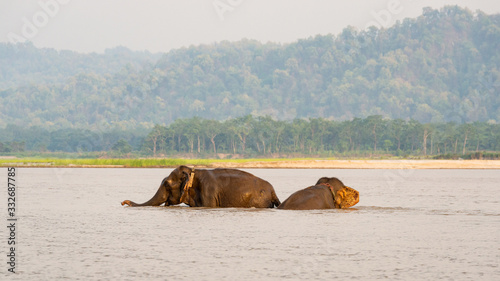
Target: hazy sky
[158,26]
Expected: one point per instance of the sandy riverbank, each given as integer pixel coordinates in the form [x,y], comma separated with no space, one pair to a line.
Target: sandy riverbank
[365,164]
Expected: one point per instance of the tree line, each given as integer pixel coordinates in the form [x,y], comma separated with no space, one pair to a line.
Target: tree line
[263,136]
[15,139]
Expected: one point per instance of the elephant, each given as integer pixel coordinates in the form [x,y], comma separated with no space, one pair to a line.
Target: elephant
[328,193]
[212,188]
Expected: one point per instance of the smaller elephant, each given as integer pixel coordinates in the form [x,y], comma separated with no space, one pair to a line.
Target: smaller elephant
[328,193]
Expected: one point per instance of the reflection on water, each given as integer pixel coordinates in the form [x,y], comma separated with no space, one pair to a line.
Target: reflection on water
[409,224]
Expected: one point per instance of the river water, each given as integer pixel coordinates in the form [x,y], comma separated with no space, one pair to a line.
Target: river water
[408,225]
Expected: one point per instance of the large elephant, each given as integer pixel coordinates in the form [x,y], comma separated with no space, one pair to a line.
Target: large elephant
[212,188]
[328,193]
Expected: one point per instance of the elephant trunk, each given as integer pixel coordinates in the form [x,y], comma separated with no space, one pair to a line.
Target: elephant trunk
[159,198]
[276,202]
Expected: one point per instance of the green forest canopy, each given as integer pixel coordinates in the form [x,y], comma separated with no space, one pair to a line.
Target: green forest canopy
[442,66]
[249,136]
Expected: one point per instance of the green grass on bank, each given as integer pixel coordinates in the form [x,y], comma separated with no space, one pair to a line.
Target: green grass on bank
[62,161]
[131,163]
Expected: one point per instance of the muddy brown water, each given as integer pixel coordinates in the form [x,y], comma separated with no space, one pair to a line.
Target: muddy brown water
[408,225]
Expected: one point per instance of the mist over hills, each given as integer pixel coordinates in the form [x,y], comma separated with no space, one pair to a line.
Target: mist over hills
[442,66]
[24,64]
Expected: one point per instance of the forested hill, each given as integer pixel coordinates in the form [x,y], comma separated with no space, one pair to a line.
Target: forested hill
[24,64]
[442,66]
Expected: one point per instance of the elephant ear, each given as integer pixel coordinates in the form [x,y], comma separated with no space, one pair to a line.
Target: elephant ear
[346,197]
[187,182]
[183,173]
[184,178]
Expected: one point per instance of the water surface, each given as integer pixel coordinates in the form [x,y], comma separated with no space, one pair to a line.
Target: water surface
[408,225]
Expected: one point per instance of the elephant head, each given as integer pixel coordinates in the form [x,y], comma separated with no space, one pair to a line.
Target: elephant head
[345,196]
[170,191]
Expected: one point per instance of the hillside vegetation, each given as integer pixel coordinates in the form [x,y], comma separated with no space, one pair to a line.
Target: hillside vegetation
[442,66]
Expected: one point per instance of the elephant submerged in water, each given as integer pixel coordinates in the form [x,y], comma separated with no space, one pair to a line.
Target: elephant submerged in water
[328,193]
[212,188]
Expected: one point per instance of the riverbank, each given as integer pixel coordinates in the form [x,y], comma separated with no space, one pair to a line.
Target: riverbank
[368,164]
[255,163]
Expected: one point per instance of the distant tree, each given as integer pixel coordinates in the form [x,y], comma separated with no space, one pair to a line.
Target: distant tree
[242,127]
[4,147]
[375,126]
[122,146]
[154,138]
[466,130]
[211,129]
[427,131]
[387,145]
